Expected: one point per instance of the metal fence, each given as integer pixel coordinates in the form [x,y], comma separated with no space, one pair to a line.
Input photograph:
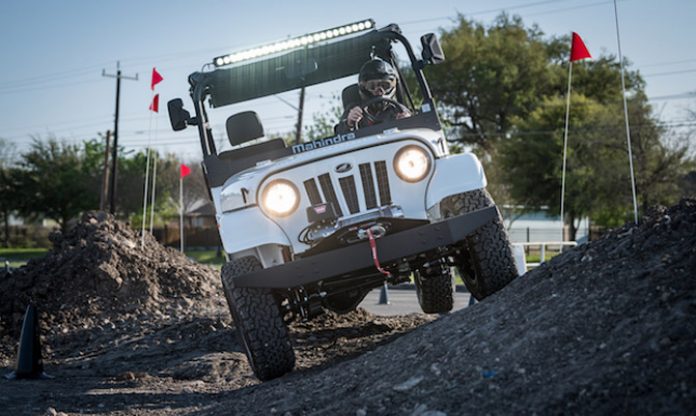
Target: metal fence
[544,248]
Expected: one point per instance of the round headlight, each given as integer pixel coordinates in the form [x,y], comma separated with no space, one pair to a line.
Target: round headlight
[412,163]
[280,198]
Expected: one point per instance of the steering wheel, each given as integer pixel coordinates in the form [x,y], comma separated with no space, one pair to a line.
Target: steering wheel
[393,103]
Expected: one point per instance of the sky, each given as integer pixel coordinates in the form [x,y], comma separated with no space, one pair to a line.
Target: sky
[54,53]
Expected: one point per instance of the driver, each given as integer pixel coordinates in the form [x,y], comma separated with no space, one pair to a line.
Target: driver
[377,79]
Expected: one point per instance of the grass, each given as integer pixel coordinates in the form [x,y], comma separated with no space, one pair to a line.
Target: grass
[18,257]
[536,257]
[209,257]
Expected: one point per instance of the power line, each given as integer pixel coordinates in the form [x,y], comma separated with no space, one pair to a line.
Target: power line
[480,12]
[56,75]
[683,95]
[666,63]
[657,74]
[584,6]
[44,87]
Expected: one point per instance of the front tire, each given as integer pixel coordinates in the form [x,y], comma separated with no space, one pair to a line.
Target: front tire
[485,260]
[434,288]
[259,323]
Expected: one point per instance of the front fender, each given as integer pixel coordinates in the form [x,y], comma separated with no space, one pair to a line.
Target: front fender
[248,228]
[453,175]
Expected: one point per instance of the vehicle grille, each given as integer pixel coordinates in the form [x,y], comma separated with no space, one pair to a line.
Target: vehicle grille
[350,200]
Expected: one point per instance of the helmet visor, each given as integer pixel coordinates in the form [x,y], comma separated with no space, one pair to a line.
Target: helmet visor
[378,87]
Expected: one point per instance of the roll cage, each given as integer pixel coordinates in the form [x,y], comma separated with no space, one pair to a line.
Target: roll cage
[302,68]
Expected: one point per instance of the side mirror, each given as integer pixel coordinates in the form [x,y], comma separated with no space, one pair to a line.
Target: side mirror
[432,51]
[178,117]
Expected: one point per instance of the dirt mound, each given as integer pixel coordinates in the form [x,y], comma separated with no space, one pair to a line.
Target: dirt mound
[98,274]
[149,316]
[606,328]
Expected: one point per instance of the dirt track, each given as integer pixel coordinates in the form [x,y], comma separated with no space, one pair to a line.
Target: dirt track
[602,329]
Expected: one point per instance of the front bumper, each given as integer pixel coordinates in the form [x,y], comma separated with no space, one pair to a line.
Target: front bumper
[391,248]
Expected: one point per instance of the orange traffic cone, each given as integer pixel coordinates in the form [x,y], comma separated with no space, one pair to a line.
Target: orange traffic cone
[29,362]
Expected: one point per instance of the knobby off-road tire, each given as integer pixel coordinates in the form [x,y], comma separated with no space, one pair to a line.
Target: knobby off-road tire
[259,323]
[485,262]
[434,288]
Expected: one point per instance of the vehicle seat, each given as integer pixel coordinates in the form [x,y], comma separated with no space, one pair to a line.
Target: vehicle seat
[243,127]
[350,96]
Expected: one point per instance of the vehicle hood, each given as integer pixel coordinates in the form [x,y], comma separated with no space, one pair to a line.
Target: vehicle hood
[240,189]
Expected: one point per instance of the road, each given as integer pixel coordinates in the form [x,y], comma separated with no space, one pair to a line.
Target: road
[402,302]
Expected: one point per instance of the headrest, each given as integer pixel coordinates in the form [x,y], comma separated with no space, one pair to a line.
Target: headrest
[350,96]
[243,127]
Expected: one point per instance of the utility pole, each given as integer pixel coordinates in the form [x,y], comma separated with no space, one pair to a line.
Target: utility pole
[114,156]
[298,134]
[105,175]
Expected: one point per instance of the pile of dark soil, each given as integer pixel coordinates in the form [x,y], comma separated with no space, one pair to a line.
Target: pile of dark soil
[100,276]
[607,327]
[118,314]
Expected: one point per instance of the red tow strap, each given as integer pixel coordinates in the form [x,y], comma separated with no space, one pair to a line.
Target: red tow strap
[373,246]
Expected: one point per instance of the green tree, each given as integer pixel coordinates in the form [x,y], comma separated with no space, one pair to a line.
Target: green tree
[661,160]
[7,201]
[52,180]
[498,73]
[501,90]
[131,182]
[491,75]
[323,122]
[597,171]
[532,159]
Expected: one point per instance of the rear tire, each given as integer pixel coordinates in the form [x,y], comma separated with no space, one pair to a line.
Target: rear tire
[434,288]
[485,260]
[259,323]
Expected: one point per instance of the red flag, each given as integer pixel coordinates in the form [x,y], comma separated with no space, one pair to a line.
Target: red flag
[154,106]
[184,171]
[156,78]
[578,50]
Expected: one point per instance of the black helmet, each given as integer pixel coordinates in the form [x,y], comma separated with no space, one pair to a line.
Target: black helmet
[377,69]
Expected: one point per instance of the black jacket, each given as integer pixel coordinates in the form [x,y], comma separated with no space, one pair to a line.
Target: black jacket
[389,113]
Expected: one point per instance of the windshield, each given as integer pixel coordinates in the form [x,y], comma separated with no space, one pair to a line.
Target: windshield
[307,90]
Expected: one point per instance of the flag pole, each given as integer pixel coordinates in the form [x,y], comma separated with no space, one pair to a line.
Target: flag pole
[565,149]
[155,79]
[625,105]
[147,177]
[154,187]
[181,212]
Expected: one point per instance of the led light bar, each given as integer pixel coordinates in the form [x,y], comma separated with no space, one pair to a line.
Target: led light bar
[293,43]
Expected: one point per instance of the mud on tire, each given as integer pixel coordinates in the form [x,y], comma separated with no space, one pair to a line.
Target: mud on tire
[259,323]
[434,288]
[485,261]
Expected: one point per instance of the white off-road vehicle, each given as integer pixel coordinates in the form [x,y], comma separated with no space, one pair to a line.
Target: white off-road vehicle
[317,225]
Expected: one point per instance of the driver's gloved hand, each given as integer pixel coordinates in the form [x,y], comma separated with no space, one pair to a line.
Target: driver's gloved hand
[354,116]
